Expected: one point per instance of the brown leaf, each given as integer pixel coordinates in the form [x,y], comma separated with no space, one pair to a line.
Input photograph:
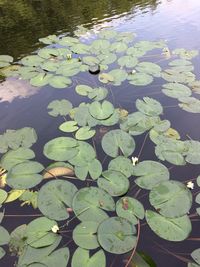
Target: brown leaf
[58,171]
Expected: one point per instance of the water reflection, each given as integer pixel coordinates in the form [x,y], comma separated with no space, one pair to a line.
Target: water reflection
[23,22]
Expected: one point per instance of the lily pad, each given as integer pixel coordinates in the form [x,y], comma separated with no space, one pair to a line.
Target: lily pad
[121,164]
[114,182]
[130,209]
[54,197]
[82,257]
[171,229]
[83,89]
[128,61]
[84,133]
[59,81]
[171,199]
[101,111]
[39,232]
[176,90]
[59,107]
[190,104]
[196,255]
[140,79]
[68,126]
[3,196]
[193,153]
[149,106]
[89,204]
[116,235]
[25,175]
[149,68]
[84,235]
[61,148]
[5,60]
[5,237]
[14,157]
[150,173]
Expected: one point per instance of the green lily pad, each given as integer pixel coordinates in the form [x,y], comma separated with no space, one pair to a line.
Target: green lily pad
[107,58]
[83,89]
[98,94]
[54,197]
[171,198]
[118,140]
[180,62]
[14,157]
[150,173]
[190,104]
[39,233]
[149,106]
[114,182]
[185,54]
[105,78]
[3,196]
[61,148]
[116,235]
[51,39]
[118,47]
[171,229]
[101,111]
[118,75]
[68,126]
[176,90]
[82,257]
[193,153]
[5,60]
[128,61]
[2,253]
[32,61]
[130,209]
[83,117]
[178,76]
[89,204]
[84,133]
[100,45]
[25,175]
[5,237]
[84,235]
[149,68]
[59,107]
[59,81]
[121,164]
[196,255]
[140,79]
[107,34]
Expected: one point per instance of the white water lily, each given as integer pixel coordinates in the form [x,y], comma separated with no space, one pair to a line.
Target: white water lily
[55,229]
[134,160]
[190,185]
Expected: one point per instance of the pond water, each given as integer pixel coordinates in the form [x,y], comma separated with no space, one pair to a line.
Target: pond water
[22,23]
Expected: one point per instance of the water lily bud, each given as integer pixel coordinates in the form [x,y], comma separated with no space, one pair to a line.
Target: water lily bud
[134,160]
[190,185]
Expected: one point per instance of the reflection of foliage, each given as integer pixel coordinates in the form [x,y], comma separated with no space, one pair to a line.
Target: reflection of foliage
[23,22]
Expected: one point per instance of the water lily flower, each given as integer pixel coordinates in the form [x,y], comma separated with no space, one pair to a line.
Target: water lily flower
[55,229]
[134,160]
[133,71]
[190,185]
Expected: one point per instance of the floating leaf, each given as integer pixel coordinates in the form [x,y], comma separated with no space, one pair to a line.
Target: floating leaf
[54,197]
[82,257]
[5,237]
[59,107]
[195,86]
[142,260]
[60,256]
[14,157]
[190,104]
[171,199]
[101,111]
[100,45]
[83,89]
[107,34]
[119,75]
[176,229]
[149,68]
[49,39]
[2,251]
[114,182]
[128,61]
[89,204]
[116,235]
[84,235]
[39,233]
[106,58]
[196,255]
[150,173]
[118,47]
[106,78]
[59,81]
[85,133]
[178,76]
[61,148]
[118,140]
[140,79]
[98,94]
[185,54]
[121,164]
[3,196]
[193,153]
[32,61]
[176,90]
[130,209]
[58,171]
[149,106]
[14,194]
[180,62]
[5,60]
[25,175]
[69,126]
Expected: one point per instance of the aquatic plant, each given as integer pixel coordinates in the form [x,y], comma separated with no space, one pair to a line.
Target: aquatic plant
[97,197]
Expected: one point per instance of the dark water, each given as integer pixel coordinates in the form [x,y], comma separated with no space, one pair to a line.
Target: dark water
[23,22]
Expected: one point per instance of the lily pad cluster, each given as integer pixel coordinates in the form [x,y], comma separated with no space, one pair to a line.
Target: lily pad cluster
[78,190]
